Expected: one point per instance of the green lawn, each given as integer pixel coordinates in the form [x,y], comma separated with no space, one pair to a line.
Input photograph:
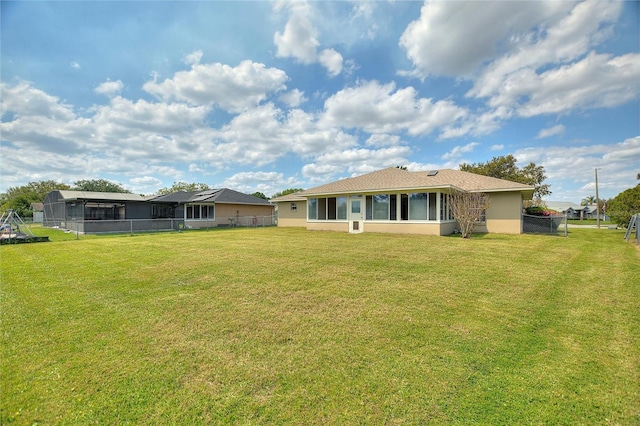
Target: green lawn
[286,326]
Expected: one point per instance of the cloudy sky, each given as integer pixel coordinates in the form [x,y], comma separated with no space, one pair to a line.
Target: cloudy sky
[264,96]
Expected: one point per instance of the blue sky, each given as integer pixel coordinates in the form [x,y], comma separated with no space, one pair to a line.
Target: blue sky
[264,96]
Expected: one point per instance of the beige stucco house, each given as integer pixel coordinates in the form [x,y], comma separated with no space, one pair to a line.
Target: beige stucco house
[398,201]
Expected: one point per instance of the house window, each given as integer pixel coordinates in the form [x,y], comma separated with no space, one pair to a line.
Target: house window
[294,207]
[445,208]
[341,208]
[312,208]
[483,215]
[200,212]
[381,207]
[330,208]
[418,206]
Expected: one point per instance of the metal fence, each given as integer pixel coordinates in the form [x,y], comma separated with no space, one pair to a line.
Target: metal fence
[544,224]
[88,226]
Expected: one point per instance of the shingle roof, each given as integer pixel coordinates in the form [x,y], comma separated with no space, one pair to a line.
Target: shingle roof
[289,197]
[221,196]
[103,196]
[396,179]
[562,206]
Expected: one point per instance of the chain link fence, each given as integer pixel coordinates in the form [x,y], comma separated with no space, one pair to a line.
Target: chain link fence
[544,224]
[132,226]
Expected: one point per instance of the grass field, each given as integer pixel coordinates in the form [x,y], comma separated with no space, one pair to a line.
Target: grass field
[286,326]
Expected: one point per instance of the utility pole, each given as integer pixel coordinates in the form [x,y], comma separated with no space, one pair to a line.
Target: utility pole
[597,201]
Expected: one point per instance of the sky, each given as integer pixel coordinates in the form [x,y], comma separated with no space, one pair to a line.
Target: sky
[262,96]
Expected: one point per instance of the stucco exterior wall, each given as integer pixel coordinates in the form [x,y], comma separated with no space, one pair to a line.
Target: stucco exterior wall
[244,214]
[288,217]
[504,215]
[408,228]
[342,226]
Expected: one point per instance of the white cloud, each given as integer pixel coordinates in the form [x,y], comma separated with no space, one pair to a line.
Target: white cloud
[300,40]
[193,58]
[266,182]
[455,38]
[145,184]
[293,98]
[457,151]
[378,108]
[109,88]
[617,166]
[595,82]
[29,102]
[356,161]
[231,88]
[332,61]
[75,65]
[497,147]
[382,140]
[551,131]
[555,42]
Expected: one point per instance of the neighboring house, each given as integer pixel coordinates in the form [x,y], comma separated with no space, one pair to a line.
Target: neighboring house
[97,212]
[94,212]
[572,210]
[398,201]
[38,212]
[215,207]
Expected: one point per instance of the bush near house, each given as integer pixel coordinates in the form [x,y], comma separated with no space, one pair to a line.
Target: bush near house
[541,211]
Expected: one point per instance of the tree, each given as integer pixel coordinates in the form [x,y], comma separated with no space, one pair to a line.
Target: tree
[183,186]
[260,195]
[591,199]
[504,167]
[468,209]
[99,185]
[287,192]
[20,198]
[624,205]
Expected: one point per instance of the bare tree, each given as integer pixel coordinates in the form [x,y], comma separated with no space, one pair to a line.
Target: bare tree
[468,209]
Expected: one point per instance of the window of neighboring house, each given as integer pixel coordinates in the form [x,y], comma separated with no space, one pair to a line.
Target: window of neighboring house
[200,212]
[162,211]
[294,207]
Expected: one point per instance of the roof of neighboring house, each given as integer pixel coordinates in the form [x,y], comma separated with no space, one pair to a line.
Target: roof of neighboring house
[288,198]
[102,196]
[563,206]
[37,207]
[221,196]
[396,179]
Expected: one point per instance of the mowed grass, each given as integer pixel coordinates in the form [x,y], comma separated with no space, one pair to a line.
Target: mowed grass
[287,326]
